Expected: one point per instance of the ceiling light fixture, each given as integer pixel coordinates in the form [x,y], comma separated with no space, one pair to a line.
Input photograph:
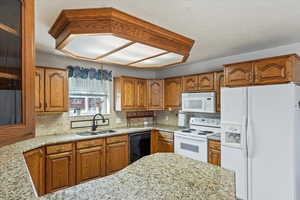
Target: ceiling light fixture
[107,35]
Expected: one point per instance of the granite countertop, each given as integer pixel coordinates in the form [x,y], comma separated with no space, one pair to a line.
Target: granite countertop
[153,177]
[216,136]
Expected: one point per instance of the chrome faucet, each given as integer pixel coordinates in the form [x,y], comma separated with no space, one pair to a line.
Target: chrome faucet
[94,126]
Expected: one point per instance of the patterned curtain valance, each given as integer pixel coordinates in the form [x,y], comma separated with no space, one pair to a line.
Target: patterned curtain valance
[91,73]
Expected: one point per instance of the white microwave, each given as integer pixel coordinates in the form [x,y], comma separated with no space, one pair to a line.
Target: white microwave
[204,102]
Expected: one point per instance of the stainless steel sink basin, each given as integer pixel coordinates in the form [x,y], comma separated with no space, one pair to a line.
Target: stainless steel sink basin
[96,133]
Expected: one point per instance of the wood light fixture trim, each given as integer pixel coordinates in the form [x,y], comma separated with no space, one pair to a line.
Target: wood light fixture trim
[109,21]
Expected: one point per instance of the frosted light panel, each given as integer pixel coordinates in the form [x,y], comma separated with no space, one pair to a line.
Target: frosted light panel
[132,53]
[92,46]
[160,60]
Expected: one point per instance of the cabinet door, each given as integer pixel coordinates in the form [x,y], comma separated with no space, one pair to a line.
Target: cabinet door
[56,90]
[141,94]
[154,141]
[39,89]
[35,160]
[219,82]
[273,70]
[116,157]
[173,89]
[206,82]
[17,57]
[60,171]
[239,74]
[165,145]
[90,163]
[214,157]
[190,83]
[128,93]
[155,94]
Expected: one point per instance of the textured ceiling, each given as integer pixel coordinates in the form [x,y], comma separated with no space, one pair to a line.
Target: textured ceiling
[219,28]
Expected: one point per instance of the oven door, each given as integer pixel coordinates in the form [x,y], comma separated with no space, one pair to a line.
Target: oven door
[192,147]
[193,104]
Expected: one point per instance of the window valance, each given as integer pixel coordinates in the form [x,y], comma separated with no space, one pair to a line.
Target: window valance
[89,73]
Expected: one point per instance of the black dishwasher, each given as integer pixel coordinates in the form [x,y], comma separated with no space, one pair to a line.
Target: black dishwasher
[139,145]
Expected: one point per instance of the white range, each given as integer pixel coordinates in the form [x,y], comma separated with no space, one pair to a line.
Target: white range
[192,142]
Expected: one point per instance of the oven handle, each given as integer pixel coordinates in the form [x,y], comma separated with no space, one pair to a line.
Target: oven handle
[190,138]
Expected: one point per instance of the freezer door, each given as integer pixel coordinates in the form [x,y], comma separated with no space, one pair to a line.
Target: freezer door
[235,160]
[270,142]
[233,105]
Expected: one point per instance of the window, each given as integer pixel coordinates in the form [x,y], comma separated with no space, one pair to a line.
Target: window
[88,96]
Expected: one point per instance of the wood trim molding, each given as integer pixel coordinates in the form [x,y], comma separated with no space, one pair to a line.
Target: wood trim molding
[115,50]
[74,22]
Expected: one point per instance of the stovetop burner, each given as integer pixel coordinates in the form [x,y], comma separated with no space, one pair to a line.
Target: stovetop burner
[188,130]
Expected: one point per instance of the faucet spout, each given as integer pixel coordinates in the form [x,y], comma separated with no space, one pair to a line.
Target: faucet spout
[94,126]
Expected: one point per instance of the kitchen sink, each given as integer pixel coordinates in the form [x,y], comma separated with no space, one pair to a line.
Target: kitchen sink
[96,133]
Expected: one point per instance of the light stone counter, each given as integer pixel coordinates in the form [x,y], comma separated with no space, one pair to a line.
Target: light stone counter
[160,176]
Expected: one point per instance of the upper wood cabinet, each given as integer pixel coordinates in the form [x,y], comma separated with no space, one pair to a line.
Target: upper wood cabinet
[190,83]
[56,90]
[173,90]
[17,53]
[116,153]
[240,74]
[199,83]
[90,160]
[280,69]
[155,94]
[51,90]
[219,82]
[141,94]
[35,160]
[60,167]
[206,82]
[275,70]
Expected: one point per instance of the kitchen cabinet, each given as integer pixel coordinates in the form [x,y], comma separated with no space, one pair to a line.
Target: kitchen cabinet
[56,90]
[141,94]
[162,141]
[60,167]
[155,94]
[90,159]
[280,69]
[190,83]
[17,53]
[219,83]
[274,70]
[173,89]
[206,82]
[240,74]
[35,160]
[51,90]
[214,152]
[116,153]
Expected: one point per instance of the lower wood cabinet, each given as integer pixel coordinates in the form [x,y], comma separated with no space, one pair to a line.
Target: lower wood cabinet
[161,141]
[116,153]
[90,160]
[60,168]
[214,152]
[35,160]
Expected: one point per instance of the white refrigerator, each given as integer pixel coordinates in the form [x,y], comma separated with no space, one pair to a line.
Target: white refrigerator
[261,140]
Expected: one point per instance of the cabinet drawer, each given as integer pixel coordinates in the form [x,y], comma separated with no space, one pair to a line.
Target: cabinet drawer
[89,143]
[116,139]
[213,144]
[165,136]
[59,148]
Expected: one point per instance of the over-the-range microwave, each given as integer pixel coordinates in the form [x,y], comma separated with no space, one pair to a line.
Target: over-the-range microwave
[203,102]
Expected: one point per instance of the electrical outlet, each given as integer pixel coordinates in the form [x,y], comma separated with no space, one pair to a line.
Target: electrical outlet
[118,120]
[167,118]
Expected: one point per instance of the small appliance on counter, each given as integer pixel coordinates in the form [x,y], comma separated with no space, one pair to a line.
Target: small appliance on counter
[203,102]
[192,142]
[182,119]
